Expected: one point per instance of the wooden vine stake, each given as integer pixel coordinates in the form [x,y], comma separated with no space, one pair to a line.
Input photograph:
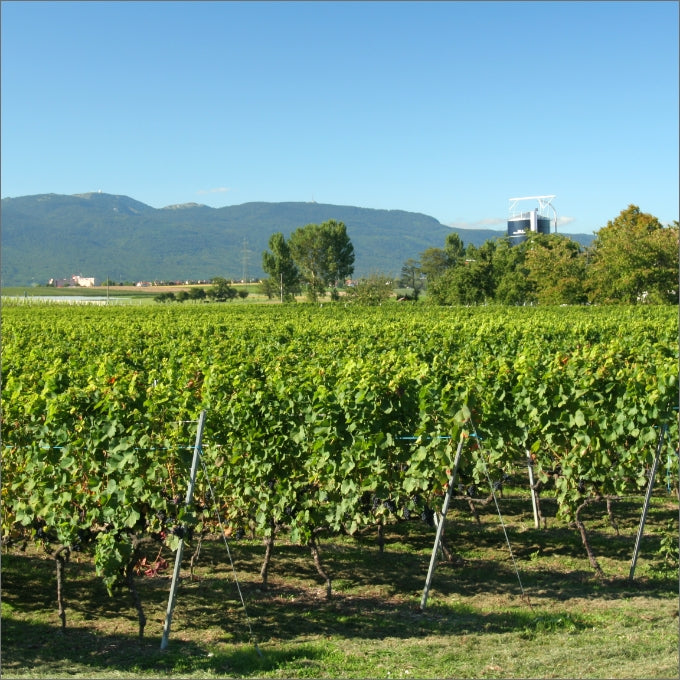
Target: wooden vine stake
[180,549]
[440,526]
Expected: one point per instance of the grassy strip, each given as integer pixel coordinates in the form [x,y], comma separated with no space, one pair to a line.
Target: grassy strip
[478,622]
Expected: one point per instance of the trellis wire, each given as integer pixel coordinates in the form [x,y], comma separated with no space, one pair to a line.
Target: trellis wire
[440,525]
[231,561]
[198,456]
[498,509]
[648,496]
[178,554]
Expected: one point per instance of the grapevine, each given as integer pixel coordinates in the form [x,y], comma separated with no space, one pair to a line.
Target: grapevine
[318,419]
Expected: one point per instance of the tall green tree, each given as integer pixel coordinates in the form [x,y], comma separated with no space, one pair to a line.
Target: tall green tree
[479,265]
[454,248]
[323,254]
[512,286]
[410,277]
[469,278]
[433,263]
[634,259]
[556,269]
[284,276]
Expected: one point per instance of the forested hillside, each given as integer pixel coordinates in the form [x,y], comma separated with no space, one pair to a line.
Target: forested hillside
[102,235]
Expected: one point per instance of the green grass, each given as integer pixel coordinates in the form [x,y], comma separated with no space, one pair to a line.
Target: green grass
[39,291]
[561,622]
[148,294]
[132,295]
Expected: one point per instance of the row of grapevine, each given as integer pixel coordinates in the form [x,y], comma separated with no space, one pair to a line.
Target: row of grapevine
[318,419]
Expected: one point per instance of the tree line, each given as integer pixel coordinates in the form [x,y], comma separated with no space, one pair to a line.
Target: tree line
[633,259]
[220,291]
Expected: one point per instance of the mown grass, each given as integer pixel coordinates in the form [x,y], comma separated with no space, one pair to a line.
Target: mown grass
[483,619]
[145,295]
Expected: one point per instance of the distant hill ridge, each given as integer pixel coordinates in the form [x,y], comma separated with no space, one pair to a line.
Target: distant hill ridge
[103,235]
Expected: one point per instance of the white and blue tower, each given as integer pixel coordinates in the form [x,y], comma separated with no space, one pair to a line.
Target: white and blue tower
[523,222]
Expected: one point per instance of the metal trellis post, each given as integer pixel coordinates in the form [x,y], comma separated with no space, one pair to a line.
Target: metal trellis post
[530,463]
[180,549]
[440,526]
[648,497]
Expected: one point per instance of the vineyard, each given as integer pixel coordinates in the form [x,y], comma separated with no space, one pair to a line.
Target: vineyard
[319,420]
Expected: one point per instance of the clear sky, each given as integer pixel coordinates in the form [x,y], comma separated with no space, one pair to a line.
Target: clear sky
[444,108]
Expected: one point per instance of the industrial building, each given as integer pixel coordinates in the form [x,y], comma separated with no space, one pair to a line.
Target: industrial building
[522,222]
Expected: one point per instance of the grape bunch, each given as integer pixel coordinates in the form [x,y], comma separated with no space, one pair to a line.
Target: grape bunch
[390,506]
[472,491]
[427,515]
[498,484]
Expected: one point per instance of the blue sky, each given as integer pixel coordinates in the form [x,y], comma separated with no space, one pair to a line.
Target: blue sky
[444,108]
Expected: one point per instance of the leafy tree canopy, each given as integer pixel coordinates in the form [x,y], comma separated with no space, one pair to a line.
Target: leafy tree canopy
[556,268]
[634,259]
[371,290]
[284,276]
[323,254]
[221,291]
[410,276]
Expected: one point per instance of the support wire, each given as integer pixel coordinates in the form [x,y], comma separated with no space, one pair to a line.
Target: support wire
[500,516]
[231,561]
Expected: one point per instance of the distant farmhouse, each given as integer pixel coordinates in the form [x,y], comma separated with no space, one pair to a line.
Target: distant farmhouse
[75,280]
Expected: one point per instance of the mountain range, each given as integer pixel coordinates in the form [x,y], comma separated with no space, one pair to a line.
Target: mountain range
[107,236]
